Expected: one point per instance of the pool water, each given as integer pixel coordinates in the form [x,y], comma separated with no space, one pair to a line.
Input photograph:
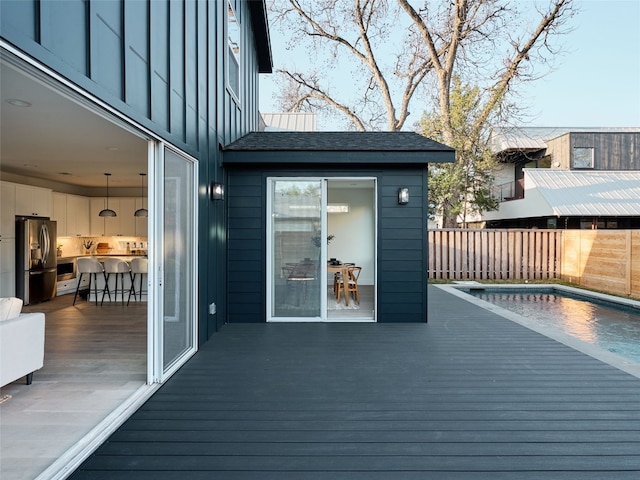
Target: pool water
[614,327]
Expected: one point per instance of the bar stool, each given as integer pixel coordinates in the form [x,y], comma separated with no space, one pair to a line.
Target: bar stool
[116,267]
[92,267]
[138,269]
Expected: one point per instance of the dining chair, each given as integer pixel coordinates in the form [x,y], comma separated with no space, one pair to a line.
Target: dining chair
[300,274]
[337,277]
[350,285]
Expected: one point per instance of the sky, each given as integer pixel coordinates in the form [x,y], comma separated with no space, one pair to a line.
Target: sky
[595,84]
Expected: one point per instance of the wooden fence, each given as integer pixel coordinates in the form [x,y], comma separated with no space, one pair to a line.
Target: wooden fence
[467,254]
[606,260]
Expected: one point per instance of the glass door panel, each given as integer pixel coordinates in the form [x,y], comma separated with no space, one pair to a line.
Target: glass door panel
[179,242]
[295,233]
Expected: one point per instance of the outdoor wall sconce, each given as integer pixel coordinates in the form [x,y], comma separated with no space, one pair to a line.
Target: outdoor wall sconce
[403,196]
[217,191]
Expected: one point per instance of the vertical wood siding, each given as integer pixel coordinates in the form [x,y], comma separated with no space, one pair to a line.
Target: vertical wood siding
[606,260]
[612,151]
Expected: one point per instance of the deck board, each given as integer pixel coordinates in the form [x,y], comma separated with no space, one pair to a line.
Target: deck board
[470,395]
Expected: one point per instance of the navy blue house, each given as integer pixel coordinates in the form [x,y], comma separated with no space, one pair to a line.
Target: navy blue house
[158,102]
[168,91]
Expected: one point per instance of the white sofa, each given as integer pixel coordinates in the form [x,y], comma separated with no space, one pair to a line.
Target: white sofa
[21,342]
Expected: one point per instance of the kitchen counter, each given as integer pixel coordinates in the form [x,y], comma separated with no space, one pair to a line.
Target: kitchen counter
[100,255]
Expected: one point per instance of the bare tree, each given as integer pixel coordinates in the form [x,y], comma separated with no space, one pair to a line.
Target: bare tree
[401,54]
[397,51]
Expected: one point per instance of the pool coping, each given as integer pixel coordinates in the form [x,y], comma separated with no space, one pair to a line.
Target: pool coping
[617,361]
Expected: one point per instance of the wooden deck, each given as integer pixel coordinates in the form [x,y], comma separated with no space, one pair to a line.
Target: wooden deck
[470,395]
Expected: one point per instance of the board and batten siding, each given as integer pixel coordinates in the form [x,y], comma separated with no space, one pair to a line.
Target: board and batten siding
[160,62]
[162,65]
[401,243]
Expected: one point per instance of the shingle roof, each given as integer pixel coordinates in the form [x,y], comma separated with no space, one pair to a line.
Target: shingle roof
[598,193]
[337,141]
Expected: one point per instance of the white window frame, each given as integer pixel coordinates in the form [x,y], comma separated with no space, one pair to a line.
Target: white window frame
[229,12]
[323,251]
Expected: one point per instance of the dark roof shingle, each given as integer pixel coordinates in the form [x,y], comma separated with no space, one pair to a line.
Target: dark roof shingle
[337,141]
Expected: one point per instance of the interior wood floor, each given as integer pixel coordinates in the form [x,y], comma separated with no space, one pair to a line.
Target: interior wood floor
[95,358]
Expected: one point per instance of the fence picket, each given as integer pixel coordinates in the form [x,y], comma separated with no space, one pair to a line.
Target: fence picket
[580,256]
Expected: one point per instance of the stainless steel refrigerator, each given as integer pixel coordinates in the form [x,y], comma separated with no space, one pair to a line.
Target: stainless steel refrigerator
[36,262]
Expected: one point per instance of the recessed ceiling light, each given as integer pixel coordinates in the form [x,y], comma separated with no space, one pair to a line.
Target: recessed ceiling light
[16,102]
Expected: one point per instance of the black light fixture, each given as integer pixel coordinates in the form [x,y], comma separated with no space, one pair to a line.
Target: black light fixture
[141,212]
[217,191]
[107,212]
[403,196]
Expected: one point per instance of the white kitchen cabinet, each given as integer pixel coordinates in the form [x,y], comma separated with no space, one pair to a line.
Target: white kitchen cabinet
[72,214]
[7,210]
[59,212]
[96,222]
[7,267]
[66,286]
[33,201]
[141,222]
[123,224]
[77,216]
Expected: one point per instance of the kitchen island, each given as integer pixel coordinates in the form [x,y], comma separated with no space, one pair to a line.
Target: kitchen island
[69,285]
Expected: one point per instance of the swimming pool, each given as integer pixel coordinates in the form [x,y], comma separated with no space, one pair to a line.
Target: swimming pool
[604,321]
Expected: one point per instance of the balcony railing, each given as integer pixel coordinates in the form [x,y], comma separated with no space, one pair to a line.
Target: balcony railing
[505,192]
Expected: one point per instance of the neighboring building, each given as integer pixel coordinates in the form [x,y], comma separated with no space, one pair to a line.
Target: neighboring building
[566,178]
[290,122]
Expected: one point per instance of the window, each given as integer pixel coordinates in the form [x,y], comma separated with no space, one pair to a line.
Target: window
[582,157]
[233,52]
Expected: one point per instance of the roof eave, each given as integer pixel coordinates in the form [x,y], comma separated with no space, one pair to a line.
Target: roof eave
[258,12]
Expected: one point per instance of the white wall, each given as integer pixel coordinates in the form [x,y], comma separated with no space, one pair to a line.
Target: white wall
[354,232]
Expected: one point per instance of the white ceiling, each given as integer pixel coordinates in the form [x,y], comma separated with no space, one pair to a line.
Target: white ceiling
[58,139]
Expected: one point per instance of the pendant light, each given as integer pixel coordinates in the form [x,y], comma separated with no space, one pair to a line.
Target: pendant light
[142,212]
[107,212]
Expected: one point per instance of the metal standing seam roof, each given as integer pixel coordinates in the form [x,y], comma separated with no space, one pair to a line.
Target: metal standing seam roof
[578,193]
[535,138]
[290,121]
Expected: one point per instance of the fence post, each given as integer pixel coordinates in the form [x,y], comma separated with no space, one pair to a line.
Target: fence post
[627,273]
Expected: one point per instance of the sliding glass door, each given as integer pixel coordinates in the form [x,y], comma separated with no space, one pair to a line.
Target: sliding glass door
[295,254]
[306,215]
[175,247]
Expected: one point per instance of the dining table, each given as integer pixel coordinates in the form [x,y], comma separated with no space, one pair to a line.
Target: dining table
[343,269]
